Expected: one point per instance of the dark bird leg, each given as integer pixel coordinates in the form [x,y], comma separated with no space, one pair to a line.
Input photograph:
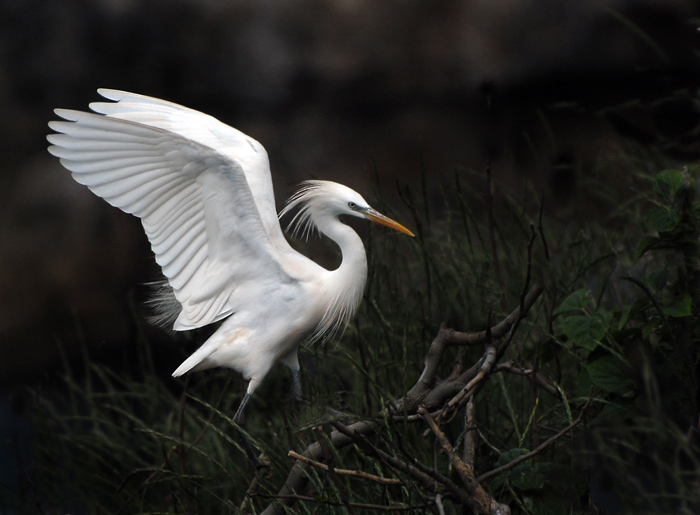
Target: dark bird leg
[296,387]
[238,417]
[243,439]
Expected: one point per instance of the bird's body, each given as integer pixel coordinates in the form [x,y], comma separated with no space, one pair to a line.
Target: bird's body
[203,192]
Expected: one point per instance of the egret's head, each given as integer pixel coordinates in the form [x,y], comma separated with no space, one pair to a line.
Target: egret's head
[321,199]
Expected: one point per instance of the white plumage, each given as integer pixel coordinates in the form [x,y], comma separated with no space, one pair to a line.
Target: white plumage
[203,192]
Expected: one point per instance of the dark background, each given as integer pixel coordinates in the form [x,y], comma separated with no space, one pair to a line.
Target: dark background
[334,90]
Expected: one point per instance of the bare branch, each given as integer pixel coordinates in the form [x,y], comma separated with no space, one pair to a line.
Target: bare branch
[428,478]
[447,337]
[538,450]
[331,468]
[297,480]
[479,500]
[366,506]
[432,395]
[345,472]
[487,363]
[470,436]
[539,380]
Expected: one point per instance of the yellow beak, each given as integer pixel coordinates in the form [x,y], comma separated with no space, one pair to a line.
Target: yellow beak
[384,220]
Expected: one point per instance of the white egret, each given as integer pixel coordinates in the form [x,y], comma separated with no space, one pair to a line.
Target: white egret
[203,192]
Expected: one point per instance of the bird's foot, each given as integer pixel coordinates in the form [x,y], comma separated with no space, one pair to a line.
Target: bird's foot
[261,463]
[263,467]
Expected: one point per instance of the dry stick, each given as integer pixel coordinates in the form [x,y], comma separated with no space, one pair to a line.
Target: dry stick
[523,296]
[449,337]
[320,438]
[346,472]
[538,450]
[469,452]
[479,500]
[541,381]
[438,504]
[297,478]
[492,353]
[366,506]
[369,449]
[458,367]
[428,478]
[412,459]
[487,363]
[465,472]
[251,492]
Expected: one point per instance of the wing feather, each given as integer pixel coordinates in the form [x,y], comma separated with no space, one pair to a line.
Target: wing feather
[183,221]
[196,205]
[185,196]
[208,131]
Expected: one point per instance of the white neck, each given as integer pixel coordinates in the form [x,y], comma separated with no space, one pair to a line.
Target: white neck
[344,286]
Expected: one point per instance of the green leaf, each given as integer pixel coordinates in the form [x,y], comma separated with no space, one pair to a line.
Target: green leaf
[583,383]
[658,279]
[615,412]
[680,306]
[662,219]
[638,306]
[510,455]
[527,477]
[524,476]
[587,331]
[574,302]
[644,245]
[611,374]
[668,183]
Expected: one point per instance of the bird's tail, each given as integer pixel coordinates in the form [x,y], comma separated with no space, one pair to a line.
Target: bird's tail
[196,361]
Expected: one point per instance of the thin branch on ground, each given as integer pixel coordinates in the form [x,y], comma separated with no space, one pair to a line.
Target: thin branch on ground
[321,439]
[547,443]
[344,472]
[366,506]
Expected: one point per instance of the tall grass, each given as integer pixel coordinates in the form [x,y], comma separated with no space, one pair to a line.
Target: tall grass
[137,441]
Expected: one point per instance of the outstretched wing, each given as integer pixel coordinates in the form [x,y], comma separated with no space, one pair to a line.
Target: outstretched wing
[210,132]
[196,206]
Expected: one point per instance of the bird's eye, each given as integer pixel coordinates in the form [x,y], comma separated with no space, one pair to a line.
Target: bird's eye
[352,205]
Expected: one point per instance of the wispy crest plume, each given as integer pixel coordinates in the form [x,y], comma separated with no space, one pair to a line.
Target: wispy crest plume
[302,223]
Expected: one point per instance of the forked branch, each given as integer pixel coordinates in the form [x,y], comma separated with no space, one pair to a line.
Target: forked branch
[427,394]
